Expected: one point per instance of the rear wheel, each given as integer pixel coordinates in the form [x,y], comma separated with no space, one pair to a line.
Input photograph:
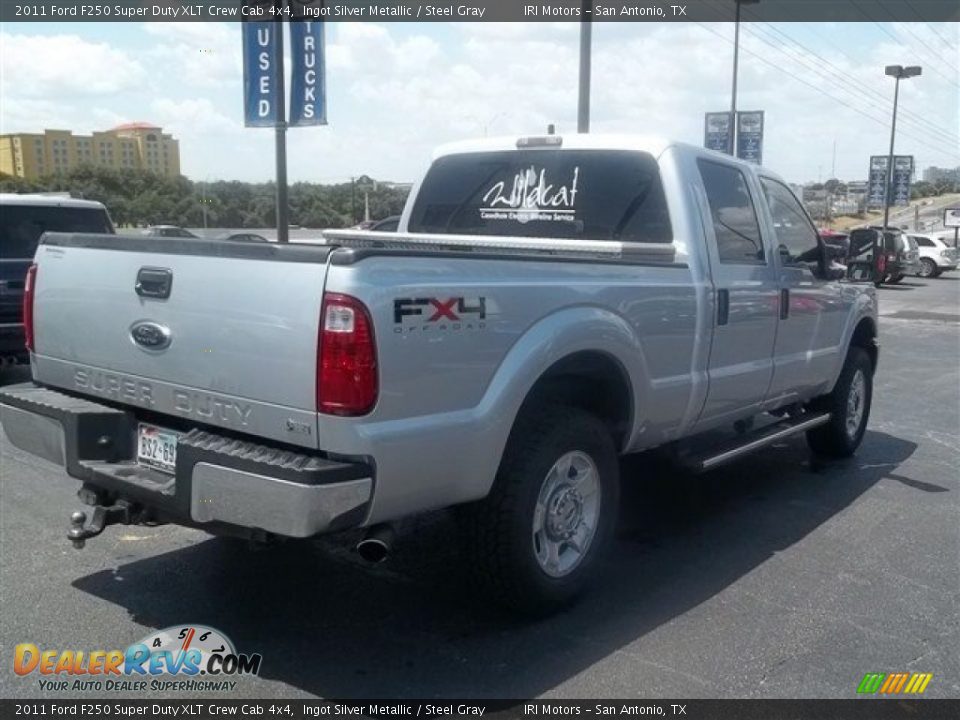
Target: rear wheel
[928,268]
[849,408]
[537,539]
[894,279]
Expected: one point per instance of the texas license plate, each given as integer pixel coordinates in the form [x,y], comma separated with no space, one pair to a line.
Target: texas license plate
[156,447]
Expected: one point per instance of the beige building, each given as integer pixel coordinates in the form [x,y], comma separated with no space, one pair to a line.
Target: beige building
[133,145]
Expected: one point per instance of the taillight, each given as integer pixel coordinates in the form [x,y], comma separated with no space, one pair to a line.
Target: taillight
[347,362]
[882,264]
[28,288]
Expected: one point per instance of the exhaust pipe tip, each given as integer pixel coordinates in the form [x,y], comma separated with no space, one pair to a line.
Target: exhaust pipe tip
[377,544]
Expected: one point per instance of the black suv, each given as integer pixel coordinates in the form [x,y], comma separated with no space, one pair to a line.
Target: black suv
[891,254]
[23,219]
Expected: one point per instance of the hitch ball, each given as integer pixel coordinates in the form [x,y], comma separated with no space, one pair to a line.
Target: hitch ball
[76,533]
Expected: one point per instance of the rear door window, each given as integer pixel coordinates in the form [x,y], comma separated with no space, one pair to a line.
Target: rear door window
[545,193]
[734,217]
[22,225]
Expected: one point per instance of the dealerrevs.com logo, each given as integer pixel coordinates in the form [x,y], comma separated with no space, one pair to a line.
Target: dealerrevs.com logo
[894,683]
[183,657]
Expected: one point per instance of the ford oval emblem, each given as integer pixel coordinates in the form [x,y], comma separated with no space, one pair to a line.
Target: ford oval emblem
[150,335]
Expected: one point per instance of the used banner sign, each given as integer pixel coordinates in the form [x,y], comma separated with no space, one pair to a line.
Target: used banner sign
[261,99]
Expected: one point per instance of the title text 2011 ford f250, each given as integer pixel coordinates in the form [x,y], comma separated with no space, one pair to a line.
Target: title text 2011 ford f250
[547,304]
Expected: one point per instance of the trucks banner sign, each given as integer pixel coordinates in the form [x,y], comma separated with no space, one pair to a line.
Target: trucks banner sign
[717,132]
[261,99]
[750,136]
[308,104]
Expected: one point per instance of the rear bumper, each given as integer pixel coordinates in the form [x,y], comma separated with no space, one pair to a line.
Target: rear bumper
[219,481]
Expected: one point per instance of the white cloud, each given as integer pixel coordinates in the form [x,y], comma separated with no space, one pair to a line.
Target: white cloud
[395,91]
[46,67]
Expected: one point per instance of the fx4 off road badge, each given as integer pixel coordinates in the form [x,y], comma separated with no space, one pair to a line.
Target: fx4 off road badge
[439,314]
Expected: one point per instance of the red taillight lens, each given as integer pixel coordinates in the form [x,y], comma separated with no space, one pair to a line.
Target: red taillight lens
[28,292]
[347,362]
[882,264]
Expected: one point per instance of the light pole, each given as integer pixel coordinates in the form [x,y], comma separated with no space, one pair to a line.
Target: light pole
[898,72]
[583,99]
[736,59]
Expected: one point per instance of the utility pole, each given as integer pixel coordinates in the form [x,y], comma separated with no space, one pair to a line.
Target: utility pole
[898,72]
[283,222]
[583,101]
[736,62]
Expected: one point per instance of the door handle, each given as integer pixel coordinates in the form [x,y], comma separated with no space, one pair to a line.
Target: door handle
[154,282]
[723,306]
[784,304]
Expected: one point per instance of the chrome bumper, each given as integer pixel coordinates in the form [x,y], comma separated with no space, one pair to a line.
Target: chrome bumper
[218,479]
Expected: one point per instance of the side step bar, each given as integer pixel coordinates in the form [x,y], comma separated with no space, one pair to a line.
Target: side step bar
[729,451]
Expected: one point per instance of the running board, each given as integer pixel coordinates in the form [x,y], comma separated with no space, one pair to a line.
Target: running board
[733,449]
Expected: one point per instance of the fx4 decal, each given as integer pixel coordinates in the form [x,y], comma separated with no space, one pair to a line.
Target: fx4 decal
[456,313]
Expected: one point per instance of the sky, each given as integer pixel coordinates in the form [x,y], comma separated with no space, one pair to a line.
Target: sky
[397,90]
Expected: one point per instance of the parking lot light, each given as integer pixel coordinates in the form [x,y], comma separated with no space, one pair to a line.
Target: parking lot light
[897,72]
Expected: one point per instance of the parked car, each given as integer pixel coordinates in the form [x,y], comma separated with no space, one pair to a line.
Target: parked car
[561,301]
[899,256]
[936,255]
[23,219]
[243,237]
[168,231]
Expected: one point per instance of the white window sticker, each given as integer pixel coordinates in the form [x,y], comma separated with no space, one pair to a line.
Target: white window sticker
[532,197]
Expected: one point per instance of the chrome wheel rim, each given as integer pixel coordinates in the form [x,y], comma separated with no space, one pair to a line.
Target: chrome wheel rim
[856,399]
[567,514]
[926,269]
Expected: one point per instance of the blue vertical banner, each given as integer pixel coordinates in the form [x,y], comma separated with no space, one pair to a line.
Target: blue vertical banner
[750,136]
[901,179]
[308,89]
[717,129]
[876,181]
[261,97]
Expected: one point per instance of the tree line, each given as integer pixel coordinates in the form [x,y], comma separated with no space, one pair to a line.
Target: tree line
[139,197]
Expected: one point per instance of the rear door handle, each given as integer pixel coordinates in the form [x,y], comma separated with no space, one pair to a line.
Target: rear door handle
[154,282]
[723,306]
[784,304]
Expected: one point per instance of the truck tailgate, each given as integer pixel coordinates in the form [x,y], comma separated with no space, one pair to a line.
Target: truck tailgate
[233,345]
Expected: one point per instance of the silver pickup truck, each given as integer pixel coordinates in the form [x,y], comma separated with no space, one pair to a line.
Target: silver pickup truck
[547,304]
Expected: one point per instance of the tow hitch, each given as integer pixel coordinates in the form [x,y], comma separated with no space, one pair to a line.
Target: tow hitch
[105,512]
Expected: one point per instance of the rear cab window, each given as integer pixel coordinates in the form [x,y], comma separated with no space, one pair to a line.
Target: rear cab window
[545,193]
[22,225]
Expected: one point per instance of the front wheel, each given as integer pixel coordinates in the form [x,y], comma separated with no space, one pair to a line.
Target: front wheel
[849,408]
[537,539]
[928,268]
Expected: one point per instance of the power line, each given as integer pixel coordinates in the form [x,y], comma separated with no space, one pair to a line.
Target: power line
[870,96]
[906,26]
[900,41]
[880,121]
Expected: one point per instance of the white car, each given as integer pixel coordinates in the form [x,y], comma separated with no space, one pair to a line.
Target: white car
[936,255]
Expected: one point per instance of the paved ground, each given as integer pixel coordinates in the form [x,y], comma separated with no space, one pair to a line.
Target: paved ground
[771,578]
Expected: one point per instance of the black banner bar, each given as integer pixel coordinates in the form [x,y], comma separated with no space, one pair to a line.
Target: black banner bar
[478,10]
[873,708]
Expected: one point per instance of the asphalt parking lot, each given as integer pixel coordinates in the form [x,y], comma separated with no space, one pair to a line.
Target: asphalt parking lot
[770,578]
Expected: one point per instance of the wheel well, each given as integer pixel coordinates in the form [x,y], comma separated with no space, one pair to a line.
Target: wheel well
[865,336]
[592,381]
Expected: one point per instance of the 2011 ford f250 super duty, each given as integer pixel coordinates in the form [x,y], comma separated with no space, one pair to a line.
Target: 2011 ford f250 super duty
[547,304]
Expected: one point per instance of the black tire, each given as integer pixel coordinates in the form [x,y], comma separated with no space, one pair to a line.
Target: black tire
[894,279]
[499,530]
[928,268]
[834,439]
